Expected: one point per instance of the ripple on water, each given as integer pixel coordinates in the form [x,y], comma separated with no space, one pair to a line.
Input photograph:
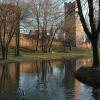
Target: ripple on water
[55,82]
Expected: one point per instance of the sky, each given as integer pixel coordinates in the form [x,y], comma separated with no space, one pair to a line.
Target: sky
[27,29]
[61,4]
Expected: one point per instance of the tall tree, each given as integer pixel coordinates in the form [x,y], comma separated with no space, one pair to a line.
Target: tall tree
[8,23]
[17,46]
[23,14]
[93,31]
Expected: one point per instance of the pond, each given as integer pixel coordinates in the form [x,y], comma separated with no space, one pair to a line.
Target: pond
[45,80]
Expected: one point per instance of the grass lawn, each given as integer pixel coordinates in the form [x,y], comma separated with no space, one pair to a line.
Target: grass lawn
[27,56]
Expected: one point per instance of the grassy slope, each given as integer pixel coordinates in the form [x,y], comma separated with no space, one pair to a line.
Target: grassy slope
[25,56]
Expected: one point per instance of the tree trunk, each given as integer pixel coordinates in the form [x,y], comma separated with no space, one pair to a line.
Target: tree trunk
[49,49]
[70,48]
[95,53]
[17,50]
[43,44]
[4,53]
[37,43]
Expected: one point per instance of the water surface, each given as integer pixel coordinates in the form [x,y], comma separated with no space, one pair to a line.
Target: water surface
[44,80]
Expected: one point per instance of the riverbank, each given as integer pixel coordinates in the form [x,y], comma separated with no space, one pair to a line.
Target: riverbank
[89,75]
[28,56]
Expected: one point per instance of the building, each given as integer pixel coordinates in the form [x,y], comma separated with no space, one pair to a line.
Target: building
[73,27]
[70,23]
[25,40]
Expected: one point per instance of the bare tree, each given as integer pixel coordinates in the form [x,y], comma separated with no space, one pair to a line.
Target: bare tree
[23,14]
[94,30]
[36,10]
[8,21]
[17,46]
[45,14]
[53,31]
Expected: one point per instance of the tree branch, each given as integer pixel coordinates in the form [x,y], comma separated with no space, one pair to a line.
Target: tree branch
[83,20]
[91,16]
[98,26]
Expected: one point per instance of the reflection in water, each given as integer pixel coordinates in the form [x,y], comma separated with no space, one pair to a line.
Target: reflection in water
[44,80]
[83,61]
[68,80]
[9,79]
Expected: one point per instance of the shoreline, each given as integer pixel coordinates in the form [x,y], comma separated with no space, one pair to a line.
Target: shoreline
[46,56]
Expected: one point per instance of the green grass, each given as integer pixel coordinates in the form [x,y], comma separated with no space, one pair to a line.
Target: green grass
[28,56]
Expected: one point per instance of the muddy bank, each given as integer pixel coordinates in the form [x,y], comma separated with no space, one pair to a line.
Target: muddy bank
[89,76]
